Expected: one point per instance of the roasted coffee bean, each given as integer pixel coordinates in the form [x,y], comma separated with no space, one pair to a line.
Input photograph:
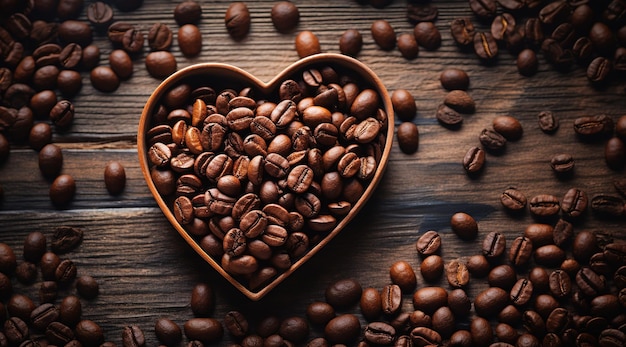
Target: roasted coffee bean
[351,42]
[491,301]
[574,203]
[464,226]
[432,268]
[448,116]
[474,160]
[50,160]
[429,243]
[502,276]
[320,313]
[599,69]
[236,324]
[427,35]
[383,34]
[416,13]
[429,299]
[484,9]
[408,46]
[549,255]
[544,205]
[65,272]
[492,140]
[593,126]
[457,274]
[62,190]
[100,14]
[307,43]
[187,12]
[379,333]
[237,20]
[513,199]
[104,79]
[521,292]
[527,62]
[494,245]
[343,329]
[554,13]
[562,163]
[66,239]
[403,104]
[453,78]
[43,315]
[460,101]
[189,40]
[508,126]
[15,330]
[462,31]
[560,284]
[167,331]
[207,330]
[615,253]
[615,153]
[408,137]
[285,16]
[343,293]
[485,46]
[520,251]
[607,205]
[481,331]
[423,336]
[160,37]
[59,333]
[478,265]
[402,274]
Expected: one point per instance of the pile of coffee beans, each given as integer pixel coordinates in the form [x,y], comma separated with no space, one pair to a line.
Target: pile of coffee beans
[55,316]
[260,181]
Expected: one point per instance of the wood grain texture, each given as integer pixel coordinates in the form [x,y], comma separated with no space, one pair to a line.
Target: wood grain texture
[146,270]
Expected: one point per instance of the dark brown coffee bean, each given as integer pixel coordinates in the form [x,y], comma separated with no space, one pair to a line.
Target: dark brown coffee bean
[416,13]
[607,205]
[66,239]
[429,243]
[462,31]
[402,274]
[429,299]
[492,140]
[560,284]
[104,79]
[513,199]
[167,331]
[520,251]
[50,160]
[615,153]
[474,160]
[379,333]
[485,46]
[43,315]
[460,101]
[403,104]
[344,329]
[432,268]
[237,20]
[206,330]
[593,126]
[189,40]
[562,163]
[15,330]
[521,292]
[478,265]
[62,190]
[464,226]
[187,12]
[351,42]
[549,255]
[544,205]
[484,9]
[384,34]
[307,44]
[502,276]
[427,35]
[574,203]
[457,274]
[491,301]
[100,14]
[343,293]
[285,16]
[453,78]
[408,46]
[448,116]
[160,37]
[408,137]
[494,245]
[320,313]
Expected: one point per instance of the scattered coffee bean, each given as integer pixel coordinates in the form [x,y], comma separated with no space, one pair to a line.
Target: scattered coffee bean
[187,12]
[189,40]
[427,35]
[285,16]
[307,44]
[408,137]
[464,225]
[237,20]
[384,34]
[350,42]
[408,46]
[453,78]
[114,178]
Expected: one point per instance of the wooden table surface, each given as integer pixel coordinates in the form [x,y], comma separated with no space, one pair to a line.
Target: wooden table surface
[146,270]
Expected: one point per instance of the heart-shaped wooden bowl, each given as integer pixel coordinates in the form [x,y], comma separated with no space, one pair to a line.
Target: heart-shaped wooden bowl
[223,76]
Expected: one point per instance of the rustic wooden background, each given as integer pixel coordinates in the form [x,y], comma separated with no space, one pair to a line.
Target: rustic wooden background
[146,270]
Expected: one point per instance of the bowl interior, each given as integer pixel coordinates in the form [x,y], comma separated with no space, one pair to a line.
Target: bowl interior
[223,76]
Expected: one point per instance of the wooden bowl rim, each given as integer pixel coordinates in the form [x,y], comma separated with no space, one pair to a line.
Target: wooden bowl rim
[222,69]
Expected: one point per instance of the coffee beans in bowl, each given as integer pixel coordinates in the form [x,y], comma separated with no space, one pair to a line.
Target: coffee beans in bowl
[257,177]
